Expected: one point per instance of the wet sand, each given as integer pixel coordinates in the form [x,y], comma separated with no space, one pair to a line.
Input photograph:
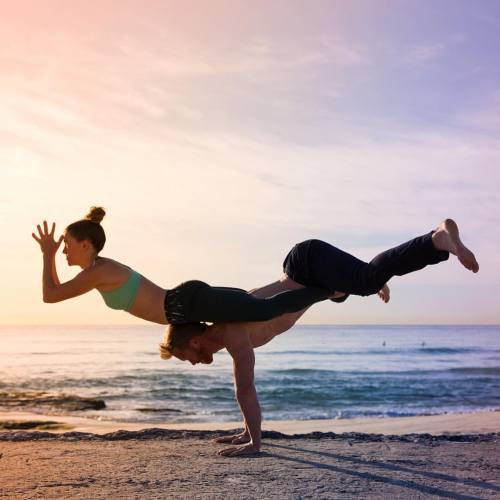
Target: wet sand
[457,423]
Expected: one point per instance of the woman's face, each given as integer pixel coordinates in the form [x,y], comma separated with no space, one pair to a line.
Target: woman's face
[73,249]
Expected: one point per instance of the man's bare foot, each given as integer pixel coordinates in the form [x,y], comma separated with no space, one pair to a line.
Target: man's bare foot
[446,237]
[384,293]
[237,451]
[241,438]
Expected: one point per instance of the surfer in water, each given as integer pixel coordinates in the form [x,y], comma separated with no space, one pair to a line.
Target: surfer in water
[310,262]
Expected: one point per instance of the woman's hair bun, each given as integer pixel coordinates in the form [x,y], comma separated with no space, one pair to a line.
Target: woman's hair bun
[96,214]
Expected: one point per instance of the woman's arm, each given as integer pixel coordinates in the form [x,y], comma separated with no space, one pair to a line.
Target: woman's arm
[82,283]
[53,290]
[55,278]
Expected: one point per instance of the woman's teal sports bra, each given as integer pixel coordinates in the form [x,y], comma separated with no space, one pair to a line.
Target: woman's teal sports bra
[123,297]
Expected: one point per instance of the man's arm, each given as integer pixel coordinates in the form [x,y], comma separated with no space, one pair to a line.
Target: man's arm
[264,331]
[241,350]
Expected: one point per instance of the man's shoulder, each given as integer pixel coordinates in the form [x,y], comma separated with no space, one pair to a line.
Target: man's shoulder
[232,335]
[229,328]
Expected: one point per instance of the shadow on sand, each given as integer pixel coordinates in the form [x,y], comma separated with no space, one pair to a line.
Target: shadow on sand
[431,490]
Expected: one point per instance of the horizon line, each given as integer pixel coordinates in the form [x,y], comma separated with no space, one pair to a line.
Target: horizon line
[298,324]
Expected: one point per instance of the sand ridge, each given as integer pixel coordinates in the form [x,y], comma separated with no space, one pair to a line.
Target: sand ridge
[482,422]
[169,434]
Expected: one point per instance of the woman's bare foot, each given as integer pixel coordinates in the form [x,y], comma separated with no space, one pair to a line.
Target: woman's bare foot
[384,293]
[446,237]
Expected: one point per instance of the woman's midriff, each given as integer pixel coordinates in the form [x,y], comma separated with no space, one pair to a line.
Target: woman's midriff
[149,302]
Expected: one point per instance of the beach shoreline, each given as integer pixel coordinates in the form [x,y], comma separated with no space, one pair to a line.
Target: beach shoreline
[481,422]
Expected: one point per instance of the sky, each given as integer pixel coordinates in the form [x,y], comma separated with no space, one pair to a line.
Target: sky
[219,134]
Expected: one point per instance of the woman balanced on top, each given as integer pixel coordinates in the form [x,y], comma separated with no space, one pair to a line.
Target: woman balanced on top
[123,288]
[314,271]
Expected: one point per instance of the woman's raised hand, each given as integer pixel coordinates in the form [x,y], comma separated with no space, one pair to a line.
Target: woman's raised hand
[46,240]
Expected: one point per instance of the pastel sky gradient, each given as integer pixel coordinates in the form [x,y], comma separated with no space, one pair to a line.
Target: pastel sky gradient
[218,134]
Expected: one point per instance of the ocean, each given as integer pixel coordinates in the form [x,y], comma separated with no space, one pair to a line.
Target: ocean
[309,372]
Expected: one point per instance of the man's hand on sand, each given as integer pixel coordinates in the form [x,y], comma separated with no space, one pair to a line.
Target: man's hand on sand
[241,438]
[238,451]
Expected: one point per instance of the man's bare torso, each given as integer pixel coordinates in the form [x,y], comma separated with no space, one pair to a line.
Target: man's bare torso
[259,332]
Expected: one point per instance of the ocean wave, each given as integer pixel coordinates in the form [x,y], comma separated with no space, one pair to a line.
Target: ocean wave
[320,372]
[378,351]
[158,410]
[347,414]
[196,384]
[489,370]
[296,398]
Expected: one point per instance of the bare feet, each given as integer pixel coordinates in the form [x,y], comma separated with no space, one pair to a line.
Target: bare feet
[446,237]
[384,293]
[236,451]
[241,438]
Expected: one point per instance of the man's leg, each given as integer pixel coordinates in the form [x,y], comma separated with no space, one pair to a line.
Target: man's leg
[283,284]
[446,237]
[429,249]
[406,258]
[336,270]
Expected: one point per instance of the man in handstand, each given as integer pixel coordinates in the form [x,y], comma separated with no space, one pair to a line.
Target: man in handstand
[316,263]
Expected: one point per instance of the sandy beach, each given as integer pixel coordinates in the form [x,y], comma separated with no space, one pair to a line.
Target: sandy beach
[447,456]
[457,423]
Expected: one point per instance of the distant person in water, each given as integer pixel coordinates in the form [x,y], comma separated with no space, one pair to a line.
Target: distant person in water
[310,262]
[123,288]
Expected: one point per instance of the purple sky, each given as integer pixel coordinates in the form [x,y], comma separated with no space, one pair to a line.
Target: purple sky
[218,134]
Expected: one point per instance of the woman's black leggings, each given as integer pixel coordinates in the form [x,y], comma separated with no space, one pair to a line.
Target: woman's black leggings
[195,301]
[314,262]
